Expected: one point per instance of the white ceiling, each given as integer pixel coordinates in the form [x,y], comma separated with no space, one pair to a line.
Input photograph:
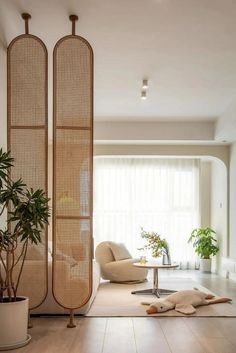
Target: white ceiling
[187,49]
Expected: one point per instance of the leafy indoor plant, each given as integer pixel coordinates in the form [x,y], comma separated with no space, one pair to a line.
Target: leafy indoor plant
[24,213]
[205,246]
[158,246]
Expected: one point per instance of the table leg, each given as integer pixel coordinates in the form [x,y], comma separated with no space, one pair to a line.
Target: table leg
[155,290]
[155,283]
[155,278]
[152,291]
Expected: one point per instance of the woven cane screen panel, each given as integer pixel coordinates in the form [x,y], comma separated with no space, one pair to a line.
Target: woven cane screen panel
[73,94]
[27,88]
[72,172]
[29,153]
[27,141]
[72,265]
[73,168]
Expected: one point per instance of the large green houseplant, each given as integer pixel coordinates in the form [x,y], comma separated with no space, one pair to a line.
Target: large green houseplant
[205,245]
[23,214]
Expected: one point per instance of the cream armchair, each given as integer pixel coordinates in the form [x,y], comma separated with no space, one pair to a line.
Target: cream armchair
[117,264]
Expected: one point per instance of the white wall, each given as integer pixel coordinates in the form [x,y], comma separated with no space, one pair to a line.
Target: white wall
[112,132]
[232,201]
[219,206]
[221,152]
[225,127]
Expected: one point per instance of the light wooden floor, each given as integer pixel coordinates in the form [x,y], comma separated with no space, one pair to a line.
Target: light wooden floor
[140,335]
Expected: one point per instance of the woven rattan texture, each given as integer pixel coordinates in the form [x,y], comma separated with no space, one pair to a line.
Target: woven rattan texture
[72,229]
[28,149]
[72,192]
[27,88]
[27,141]
[73,94]
[72,265]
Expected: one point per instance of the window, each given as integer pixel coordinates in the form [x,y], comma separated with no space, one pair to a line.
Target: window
[157,194]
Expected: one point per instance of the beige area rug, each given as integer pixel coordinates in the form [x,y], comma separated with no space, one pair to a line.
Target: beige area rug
[116,300]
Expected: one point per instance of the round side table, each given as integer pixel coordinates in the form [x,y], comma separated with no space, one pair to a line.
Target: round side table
[155,290]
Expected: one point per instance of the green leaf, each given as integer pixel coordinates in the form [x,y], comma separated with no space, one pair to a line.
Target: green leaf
[204,242]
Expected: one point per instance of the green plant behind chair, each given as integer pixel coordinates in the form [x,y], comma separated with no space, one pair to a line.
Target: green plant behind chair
[204,242]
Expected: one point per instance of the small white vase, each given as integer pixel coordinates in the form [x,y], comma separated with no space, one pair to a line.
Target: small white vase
[14,324]
[205,265]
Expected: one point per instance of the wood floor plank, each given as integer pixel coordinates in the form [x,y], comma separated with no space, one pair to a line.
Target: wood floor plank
[148,334]
[217,345]
[90,336]
[227,326]
[61,338]
[203,327]
[119,336]
[179,336]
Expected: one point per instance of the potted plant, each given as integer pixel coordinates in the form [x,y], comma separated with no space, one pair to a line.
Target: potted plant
[24,213]
[205,246]
[157,245]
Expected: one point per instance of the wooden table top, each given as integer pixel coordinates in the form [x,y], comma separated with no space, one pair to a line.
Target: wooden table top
[153,264]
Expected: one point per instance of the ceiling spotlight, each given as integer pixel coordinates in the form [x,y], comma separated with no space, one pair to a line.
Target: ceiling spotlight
[143,95]
[145,84]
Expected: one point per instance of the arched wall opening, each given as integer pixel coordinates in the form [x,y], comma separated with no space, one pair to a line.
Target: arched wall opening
[214,184]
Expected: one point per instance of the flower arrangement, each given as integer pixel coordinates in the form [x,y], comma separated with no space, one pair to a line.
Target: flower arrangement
[155,243]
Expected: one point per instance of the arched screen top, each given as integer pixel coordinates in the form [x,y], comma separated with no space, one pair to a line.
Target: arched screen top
[74,82]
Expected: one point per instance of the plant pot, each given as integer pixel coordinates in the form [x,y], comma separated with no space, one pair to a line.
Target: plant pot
[205,265]
[14,324]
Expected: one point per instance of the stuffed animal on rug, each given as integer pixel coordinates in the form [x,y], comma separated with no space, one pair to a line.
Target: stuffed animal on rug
[184,301]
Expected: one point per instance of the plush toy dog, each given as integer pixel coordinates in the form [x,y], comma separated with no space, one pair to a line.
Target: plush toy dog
[184,302]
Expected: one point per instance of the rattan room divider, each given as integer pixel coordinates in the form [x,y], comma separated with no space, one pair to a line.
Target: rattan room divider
[27,71]
[72,171]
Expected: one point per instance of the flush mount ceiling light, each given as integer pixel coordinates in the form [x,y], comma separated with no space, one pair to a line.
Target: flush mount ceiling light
[144,88]
[145,84]
[143,95]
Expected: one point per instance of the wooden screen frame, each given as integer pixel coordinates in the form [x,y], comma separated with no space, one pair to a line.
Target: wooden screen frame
[44,127]
[78,128]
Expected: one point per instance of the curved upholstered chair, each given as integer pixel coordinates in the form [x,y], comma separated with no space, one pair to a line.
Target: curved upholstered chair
[117,264]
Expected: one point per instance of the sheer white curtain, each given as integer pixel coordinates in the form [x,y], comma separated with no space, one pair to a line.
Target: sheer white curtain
[159,195]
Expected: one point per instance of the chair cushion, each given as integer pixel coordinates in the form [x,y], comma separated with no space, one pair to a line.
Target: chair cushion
[120,252]
[124,271]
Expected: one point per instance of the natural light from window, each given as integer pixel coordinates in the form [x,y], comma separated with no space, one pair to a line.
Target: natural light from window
[158,194]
